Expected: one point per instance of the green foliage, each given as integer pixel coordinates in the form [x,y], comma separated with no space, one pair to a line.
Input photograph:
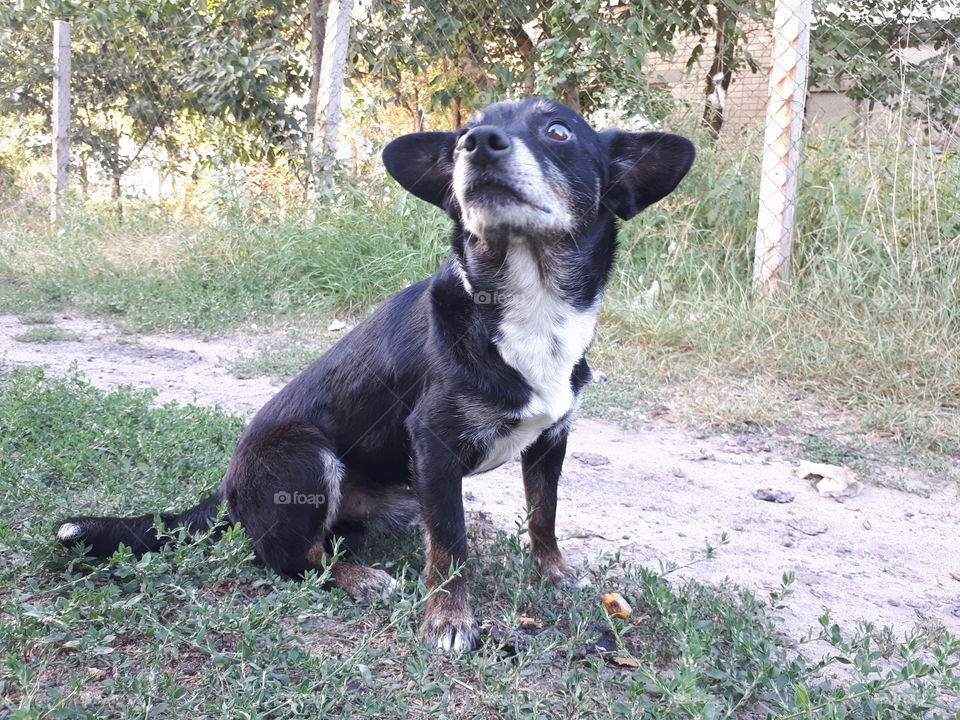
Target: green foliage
[146,72]
[67,448]
[441,55]
[201,631]
[899,53]
[221,274]
[36,318]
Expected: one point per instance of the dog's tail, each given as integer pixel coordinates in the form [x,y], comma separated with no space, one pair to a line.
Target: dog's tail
[104,535]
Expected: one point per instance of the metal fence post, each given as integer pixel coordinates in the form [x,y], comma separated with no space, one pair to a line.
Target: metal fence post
[61,118]
[781,144]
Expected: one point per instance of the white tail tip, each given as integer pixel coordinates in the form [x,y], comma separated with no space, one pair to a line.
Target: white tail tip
[69,532]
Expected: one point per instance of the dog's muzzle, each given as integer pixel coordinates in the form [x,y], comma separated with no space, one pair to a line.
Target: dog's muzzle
[488,153]
[500,186]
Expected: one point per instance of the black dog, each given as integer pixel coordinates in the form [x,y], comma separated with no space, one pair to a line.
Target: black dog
[452,376]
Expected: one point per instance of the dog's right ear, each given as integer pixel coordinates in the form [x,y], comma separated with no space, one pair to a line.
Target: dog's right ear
[423,164]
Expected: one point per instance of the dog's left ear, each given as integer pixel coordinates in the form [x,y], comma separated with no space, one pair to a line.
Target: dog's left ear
[423,164]
[644,168]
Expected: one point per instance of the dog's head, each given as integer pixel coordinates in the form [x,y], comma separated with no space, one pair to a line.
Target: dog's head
[536,168]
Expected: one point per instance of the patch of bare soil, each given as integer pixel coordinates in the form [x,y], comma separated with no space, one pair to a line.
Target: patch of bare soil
[660,493]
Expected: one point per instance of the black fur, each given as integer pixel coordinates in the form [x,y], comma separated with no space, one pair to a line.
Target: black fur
[420,393]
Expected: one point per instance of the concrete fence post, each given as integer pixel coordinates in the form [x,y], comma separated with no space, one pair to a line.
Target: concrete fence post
[326,128]
[781,145]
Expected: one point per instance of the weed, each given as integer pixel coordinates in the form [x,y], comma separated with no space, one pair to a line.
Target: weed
[283,358]
[47,334]
[36,318]
[825,449]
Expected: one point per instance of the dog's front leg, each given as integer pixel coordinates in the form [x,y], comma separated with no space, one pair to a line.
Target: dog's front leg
[541,464]
[449,621]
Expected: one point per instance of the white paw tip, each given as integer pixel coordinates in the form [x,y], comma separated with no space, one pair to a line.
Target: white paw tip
[456,641]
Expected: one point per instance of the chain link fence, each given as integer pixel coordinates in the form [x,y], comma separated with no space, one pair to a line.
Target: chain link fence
[170,98]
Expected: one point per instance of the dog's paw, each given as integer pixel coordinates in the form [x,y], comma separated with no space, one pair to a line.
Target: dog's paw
[364,583]
[451,633]
[565,577]
[557,572]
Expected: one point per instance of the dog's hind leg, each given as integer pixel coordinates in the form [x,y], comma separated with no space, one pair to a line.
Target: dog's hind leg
[358,580]
[365,508]
[284,487]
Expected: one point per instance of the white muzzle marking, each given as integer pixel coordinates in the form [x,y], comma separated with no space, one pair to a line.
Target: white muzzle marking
[545,210]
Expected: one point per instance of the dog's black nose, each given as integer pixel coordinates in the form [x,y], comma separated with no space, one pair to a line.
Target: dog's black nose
[484,143]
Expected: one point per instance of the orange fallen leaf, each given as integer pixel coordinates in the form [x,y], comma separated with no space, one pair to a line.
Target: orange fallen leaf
[529,623]
[96,674]
[617,606]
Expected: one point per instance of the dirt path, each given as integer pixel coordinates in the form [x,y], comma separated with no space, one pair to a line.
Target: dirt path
[659,493]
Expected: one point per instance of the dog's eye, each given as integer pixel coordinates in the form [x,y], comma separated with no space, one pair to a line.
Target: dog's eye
[558,131]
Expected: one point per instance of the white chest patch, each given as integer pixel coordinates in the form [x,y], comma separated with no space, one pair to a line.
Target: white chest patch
[542,337]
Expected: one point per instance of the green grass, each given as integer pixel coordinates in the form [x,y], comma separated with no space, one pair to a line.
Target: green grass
[818,448]
[282,358]
[47,334]
[153,270]
[201,631]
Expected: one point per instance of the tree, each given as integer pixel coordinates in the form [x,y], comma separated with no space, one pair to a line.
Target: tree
[432,54]
[726,20]
[589,54]
[317,21]
[141,67]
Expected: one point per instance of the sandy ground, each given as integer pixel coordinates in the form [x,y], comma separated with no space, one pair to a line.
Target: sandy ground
[660,493]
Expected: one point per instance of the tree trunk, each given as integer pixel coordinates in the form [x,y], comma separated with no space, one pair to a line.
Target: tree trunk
[720,74]
[60,111]
[570,94]
[317,22]
[115,194]
[84,177]
[525,49]
[457,112]
[115,165]
[317,17]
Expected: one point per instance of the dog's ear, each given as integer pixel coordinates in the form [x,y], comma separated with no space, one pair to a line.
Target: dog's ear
[643,168]
[423,164]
